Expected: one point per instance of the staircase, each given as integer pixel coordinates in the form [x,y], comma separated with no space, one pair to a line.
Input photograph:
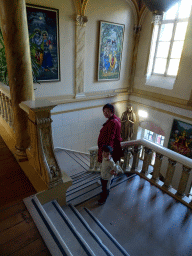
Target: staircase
[137,218]
[65,230]
[85,183]
[79,237]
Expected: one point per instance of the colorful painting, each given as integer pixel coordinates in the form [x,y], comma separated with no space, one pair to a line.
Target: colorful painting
[181,138]
[44,43]
[110,50]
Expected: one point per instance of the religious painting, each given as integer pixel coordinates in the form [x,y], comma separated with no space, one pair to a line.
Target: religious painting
[181,138]
[44,43]
[110,50]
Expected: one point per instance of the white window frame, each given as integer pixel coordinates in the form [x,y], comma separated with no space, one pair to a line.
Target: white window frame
[162,80]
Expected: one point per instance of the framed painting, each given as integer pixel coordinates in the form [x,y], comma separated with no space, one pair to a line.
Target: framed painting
[181,138]
[110,50]
[44,43]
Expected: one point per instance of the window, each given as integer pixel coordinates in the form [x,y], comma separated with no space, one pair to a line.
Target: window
[153,137]
[167,45]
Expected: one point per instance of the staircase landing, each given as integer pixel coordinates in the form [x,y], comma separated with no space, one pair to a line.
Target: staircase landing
[144,220]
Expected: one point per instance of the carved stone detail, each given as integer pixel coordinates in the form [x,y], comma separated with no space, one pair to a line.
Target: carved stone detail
[81,20]
[41,152]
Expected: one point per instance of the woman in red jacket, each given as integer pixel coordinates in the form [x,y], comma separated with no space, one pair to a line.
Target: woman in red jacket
[110,134]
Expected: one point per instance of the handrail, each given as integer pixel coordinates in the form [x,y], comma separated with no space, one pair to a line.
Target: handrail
[5,90]
[132,150]
[158,149]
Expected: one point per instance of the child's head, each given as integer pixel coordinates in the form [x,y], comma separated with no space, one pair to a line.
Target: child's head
[107,151]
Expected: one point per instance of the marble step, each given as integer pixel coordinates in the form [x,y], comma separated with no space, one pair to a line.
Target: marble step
[92,190]
[67,231]
[77,235]
[103,233]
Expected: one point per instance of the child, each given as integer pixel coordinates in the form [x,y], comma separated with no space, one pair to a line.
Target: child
[108,170]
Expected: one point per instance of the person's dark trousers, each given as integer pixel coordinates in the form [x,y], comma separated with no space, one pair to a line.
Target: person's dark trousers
[105,191]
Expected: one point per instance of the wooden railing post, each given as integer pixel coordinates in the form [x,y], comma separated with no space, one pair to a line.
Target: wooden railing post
[146,161]
[157,167]
[183,182]
[169,174]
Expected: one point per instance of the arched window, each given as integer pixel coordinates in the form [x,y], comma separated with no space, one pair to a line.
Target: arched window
[167,45]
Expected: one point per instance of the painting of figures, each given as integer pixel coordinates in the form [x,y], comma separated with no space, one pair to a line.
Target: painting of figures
[181,138]
[110,50]
[43,39]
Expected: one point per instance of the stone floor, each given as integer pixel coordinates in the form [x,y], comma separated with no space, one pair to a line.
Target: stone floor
[144,220]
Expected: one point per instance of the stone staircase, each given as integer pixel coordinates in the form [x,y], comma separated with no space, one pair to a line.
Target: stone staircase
[86,186]
[65,230]
[79,236]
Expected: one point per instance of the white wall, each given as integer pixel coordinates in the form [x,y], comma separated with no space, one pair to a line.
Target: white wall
[113,11]
[76,126]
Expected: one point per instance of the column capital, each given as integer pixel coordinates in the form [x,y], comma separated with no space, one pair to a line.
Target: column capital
[81,20]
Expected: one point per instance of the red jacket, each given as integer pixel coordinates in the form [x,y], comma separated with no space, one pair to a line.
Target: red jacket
[110,135]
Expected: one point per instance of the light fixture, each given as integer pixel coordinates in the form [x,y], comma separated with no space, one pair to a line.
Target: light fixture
[143,113]
[158,7]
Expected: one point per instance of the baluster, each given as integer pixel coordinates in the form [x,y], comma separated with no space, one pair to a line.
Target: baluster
[169,174]
[92,160]
[2,105]
[136,152]
[146,161]
[97,165]
[183,181]
[127,157]
[142,153]
[8,110]
[11,113]
[157,167]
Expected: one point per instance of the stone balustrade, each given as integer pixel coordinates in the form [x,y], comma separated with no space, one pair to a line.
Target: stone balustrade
[6,111]
[132,151]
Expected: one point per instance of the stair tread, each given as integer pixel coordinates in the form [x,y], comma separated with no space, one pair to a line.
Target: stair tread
[96,247]
[64,231]
[103,236]
[93,190]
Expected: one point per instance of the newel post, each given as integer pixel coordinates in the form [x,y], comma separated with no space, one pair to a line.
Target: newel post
[40,153]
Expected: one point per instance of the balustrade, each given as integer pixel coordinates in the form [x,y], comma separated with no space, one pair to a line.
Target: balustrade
[6,111]
[149,149]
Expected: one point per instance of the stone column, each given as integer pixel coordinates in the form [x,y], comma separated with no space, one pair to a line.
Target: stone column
[80,54]
[16,39]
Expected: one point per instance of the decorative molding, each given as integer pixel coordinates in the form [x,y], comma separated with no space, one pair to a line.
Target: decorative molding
[79,61]
[81,20]
[173,101]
